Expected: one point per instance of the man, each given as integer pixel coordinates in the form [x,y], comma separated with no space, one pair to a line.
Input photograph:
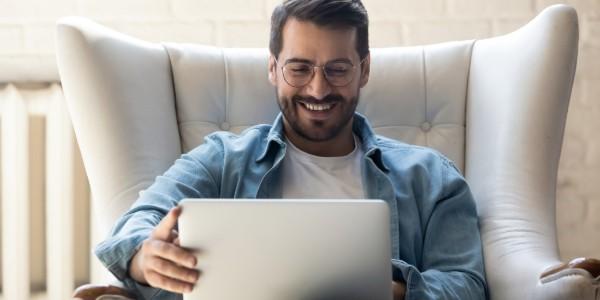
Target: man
[319,62]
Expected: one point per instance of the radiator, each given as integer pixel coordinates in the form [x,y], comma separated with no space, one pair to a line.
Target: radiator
[44,208]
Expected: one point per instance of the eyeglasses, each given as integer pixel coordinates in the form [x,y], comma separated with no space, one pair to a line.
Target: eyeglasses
[337,73]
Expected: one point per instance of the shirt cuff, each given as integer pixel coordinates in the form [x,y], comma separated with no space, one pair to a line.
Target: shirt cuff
[409,274]
[116,253]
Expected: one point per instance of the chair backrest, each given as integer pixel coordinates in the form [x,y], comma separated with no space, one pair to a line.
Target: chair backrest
[496,107]
[414,94]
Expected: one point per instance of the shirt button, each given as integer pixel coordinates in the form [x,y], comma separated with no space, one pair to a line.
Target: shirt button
[426,126]
[225,126]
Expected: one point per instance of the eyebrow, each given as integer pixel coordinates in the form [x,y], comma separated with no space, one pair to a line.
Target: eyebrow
[307,61]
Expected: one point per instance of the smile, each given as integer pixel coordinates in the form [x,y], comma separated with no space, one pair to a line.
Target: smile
[317,107]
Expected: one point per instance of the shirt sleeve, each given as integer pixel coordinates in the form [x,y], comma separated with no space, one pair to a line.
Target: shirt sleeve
[194,175]
[452,260]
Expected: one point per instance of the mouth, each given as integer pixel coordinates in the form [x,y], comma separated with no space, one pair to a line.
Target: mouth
[322,107]
[313,109]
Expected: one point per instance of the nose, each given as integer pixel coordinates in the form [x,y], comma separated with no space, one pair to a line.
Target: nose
[318,87]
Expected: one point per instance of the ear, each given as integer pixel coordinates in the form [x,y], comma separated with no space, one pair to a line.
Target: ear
[365,70]
[272,70]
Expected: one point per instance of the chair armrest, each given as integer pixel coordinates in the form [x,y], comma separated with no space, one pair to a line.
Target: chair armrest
[94,291]
[591,265]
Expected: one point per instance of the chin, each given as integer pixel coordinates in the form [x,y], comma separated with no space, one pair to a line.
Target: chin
[317,131]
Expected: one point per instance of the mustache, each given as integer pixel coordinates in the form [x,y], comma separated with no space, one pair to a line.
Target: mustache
[312,100]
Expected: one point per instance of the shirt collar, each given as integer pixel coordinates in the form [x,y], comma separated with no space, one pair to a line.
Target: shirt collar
[274,141]
[360,127]
[363,130]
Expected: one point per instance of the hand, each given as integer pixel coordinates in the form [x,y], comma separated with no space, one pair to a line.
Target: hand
[161,262]
[399,290]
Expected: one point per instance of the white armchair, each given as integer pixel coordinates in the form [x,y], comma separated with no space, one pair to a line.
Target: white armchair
[497,107]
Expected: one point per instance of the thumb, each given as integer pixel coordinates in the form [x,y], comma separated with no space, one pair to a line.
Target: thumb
[163,229]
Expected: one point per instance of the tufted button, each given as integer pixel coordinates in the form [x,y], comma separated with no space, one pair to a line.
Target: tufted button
[225,126]
[426,126]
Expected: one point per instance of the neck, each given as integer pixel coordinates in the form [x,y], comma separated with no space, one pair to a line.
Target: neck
[340,145]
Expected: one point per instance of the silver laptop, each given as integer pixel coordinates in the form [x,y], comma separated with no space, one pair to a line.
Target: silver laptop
[288,249]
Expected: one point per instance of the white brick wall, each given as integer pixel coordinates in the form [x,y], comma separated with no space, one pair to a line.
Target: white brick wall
[124,9]
[26,39]
[13,33]
[244,34]
[202,32]
[210,9]
[507,25]
[36,10]
[386,33]
[587,8]
[434,30]
[397,10]
[490,8]
[39,39]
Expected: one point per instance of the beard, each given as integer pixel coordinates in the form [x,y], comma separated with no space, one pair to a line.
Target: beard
[318,130]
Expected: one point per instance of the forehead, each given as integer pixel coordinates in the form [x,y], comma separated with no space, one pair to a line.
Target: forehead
[307,40]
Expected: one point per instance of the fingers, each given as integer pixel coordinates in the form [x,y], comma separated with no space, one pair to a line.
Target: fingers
[172,270]
[161,262]
[168,266]
[167,224]
[167,283]
[171,252]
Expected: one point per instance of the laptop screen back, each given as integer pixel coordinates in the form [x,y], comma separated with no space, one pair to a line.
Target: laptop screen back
[288,249]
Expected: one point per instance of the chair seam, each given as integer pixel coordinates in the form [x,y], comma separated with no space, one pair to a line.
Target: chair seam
[467,85]
[173,90]
[425,94]
[226,65]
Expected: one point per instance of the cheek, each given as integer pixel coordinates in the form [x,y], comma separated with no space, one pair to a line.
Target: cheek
[284,90]
[349,91]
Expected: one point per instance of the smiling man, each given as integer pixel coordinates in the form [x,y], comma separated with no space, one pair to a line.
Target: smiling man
[318,64]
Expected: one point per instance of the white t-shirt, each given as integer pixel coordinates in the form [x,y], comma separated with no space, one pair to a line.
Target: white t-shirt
[309,176]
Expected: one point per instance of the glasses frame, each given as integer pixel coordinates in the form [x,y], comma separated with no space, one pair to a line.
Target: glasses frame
[322,67]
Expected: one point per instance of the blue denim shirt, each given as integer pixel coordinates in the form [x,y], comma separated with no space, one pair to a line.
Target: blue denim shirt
[436,246]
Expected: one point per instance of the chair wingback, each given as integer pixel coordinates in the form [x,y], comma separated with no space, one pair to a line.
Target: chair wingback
[120,97]
[519,90]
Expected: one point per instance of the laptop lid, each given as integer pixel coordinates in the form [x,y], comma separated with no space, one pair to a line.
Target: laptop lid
[288,249]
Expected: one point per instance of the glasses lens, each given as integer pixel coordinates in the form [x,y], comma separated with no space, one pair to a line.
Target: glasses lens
[297,74]
[339,73]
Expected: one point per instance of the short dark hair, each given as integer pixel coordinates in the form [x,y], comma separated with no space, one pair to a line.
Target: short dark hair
[345,13]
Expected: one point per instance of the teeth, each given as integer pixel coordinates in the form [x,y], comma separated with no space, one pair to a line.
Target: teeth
[317,107]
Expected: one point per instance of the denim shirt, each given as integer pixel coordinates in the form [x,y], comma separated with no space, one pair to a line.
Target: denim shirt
[436,246]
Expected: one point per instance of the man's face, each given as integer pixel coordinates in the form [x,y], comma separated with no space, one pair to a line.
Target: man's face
[317,111]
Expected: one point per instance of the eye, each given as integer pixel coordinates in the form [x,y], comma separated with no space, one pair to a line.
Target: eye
[298,69]
[338,69]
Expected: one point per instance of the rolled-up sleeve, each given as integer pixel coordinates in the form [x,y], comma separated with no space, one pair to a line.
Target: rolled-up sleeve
[194,175]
